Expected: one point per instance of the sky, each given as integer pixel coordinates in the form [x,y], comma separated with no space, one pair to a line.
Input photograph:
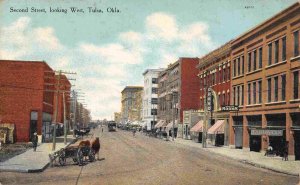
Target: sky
[111,50]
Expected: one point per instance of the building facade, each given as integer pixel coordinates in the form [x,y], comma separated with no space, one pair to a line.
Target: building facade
[150,97]
[26,99]
[214,75]
[131,104]
[117,117]
[178,90]
[265,85]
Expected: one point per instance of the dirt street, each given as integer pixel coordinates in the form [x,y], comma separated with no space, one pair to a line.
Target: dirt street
[125,159]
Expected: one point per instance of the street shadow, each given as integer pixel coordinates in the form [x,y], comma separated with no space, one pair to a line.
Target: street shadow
[102,159]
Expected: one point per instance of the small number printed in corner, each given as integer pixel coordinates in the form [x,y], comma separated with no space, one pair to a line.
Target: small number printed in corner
[249,7]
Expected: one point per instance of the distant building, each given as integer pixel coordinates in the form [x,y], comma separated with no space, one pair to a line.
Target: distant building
[150,97]
[131,104]
[117,117]
[25,98]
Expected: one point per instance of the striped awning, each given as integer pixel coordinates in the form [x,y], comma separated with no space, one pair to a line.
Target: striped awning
[170,125]
[159,124]
[217,128]
[198,127]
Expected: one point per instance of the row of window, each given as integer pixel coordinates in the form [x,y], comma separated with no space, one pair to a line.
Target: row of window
[275,87]
[277,44]
[218,77]
[276,90]
[276,50]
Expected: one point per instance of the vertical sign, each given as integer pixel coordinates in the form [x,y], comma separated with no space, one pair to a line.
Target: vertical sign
[209,93]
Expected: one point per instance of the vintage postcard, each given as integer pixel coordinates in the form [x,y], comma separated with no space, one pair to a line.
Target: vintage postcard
[151,92]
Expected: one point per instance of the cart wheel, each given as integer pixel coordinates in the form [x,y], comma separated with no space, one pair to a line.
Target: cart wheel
[62,160]
[80,157]
[92,156]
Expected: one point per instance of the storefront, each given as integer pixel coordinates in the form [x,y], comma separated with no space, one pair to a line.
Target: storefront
[197,131]
[295,130]
[254,123]
[217,130]
[238,131]
[276,123]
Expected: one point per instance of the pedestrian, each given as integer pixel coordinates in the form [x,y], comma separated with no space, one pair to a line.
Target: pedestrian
[102,129]
[34,141]
[286,151]
[133,132]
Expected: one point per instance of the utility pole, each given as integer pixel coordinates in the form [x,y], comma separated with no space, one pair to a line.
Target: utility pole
[65,119]
[175,95]
[56,109]
[205,120]
[57,91]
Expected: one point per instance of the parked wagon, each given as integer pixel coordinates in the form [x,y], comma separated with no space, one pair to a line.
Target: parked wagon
[80,152]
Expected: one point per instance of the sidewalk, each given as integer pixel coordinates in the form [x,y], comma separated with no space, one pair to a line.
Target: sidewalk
[253,158]
[31,161]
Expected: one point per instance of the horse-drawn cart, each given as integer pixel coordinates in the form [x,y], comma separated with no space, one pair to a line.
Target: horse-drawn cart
[80,152]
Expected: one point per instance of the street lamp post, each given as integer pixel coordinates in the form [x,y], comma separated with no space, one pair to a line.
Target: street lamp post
[175,95]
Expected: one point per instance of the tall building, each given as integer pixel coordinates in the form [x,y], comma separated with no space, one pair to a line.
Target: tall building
[150,97]
[265,85]
[131,104]
[178,90]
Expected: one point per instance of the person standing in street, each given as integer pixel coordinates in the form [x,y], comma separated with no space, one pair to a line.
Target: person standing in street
[34,141]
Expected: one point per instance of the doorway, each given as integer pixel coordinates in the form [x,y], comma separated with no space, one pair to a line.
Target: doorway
[255,143]
[297,144]
[238,137]
[33,124]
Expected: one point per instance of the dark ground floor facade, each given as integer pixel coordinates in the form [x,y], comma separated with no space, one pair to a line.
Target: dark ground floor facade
[257,130]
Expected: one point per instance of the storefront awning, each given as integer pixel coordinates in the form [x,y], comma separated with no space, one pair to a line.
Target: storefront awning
[170,125]
[198,127]
[159,124]
[217,128]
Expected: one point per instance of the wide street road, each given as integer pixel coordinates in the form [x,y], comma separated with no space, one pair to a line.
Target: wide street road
[125,159]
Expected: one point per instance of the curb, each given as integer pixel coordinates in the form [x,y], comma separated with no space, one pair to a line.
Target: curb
[35,170]
[247,162]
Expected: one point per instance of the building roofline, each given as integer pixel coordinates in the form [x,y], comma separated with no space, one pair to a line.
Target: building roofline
[155,70]
[215,54]
[27,61]
[132,87]
[265,23]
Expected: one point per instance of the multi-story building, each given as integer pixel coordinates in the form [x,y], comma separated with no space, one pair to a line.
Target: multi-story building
[178,90]
[150,97]
[265,85]
[26,99]
[214,75]
[131,103]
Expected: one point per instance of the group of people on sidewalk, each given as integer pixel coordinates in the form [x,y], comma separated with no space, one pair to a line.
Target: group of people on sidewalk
[284,152]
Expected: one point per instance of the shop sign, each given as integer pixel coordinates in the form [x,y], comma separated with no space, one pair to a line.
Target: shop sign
[259,132]
[230,108]
[209,94]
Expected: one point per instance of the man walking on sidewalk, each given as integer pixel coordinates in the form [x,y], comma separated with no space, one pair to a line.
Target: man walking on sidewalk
[34,141]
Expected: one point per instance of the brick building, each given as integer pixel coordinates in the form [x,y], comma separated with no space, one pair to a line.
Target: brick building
[214,74]
[178,90]
[24,99]
[265,84]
